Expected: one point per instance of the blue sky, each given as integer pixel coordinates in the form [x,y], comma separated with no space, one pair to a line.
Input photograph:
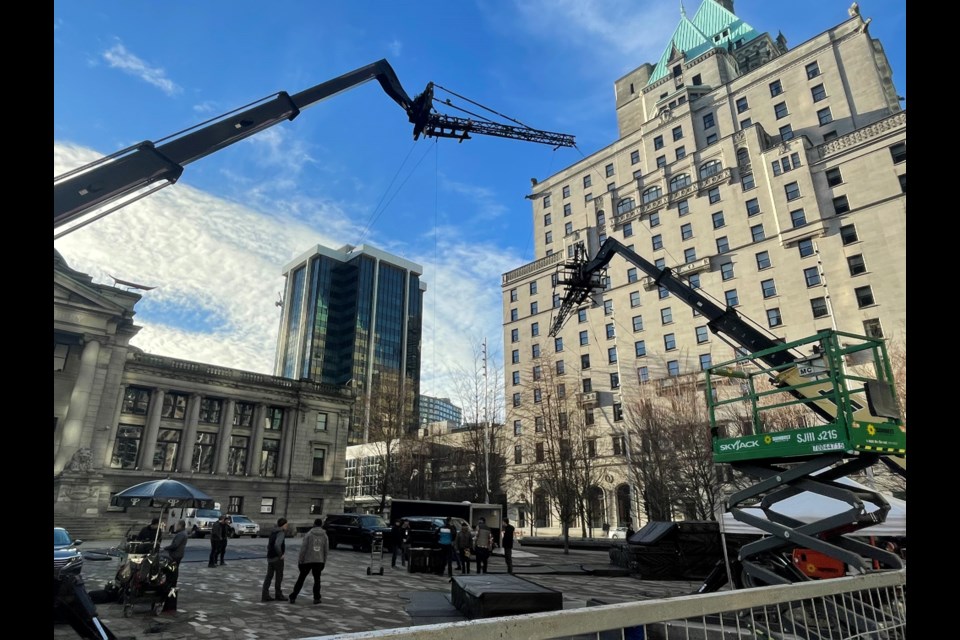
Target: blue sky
[347,170]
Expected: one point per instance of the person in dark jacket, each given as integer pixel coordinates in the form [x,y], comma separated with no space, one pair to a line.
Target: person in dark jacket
[276,548]
[312,559]
[463,544]
[151,533]
[396,539]
[506,541]
[175,551]
[219,533]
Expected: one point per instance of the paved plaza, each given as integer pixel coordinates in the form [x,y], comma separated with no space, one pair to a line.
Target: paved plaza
[224,602]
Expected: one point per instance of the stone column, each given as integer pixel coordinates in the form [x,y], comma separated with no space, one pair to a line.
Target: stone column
[152,430]
[79,405]
[288,435]
[189,434]
[256,441]
[223,446]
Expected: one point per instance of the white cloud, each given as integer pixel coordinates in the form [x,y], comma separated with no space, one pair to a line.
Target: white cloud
[395,47]
[205,107]
[216,266]
[118,57]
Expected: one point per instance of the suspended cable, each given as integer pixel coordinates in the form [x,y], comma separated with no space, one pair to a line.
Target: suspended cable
[481,106]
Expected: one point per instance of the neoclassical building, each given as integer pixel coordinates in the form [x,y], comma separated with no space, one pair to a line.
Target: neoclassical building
[772,178]
[261,445]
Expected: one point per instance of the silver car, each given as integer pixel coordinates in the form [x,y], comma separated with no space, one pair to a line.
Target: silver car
[242,526]
[66,556]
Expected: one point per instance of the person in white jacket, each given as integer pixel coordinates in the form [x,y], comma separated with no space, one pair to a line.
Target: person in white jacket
[312,559]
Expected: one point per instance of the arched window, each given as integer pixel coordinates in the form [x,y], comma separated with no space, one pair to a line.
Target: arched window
[651,194]
[679,182]
[743,157]
[708,169]
[625,205]
[596,508]
[623,505]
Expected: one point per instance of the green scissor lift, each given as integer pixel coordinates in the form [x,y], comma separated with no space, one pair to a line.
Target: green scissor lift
[844,395]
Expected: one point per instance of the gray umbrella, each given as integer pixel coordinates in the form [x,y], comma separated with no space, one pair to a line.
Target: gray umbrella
[162,493]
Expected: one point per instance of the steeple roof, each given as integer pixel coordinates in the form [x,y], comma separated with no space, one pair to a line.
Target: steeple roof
[712,26]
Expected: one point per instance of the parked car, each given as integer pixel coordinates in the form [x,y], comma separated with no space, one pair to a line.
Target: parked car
[66,556]
[356,529]
[425,530]
[618,533]
[241,525]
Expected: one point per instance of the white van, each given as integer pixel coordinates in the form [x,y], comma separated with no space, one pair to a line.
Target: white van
[199,521]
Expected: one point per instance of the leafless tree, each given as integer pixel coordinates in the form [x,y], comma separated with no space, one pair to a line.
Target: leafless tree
[391,430]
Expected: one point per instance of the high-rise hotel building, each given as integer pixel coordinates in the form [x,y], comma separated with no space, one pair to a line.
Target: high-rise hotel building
[772,178]
[353,316]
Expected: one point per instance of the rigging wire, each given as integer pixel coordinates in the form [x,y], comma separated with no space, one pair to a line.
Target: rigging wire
[447,102]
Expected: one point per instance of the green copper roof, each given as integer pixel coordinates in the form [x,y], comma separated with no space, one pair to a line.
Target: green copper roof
[697,36]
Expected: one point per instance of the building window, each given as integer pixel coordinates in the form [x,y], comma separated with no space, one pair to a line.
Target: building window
[806,248]
[548,237]
[547,219]
[702,334]
[568,228]
[210,410]
[824,116]
[829,135]
[792,191]
[872,328]
[242,412]
[713,195]
[537,373]
[742,105]
[561,391]
[612,355]
[798,218]
[813,70]
[856,265]
[717,219]
[168,445]
[607,307]
[514,315]
[515,356]
[775,88]
[679,182]
[319,461]
[689,255]
[558,345]
[517,454]
[819,307]
[746,123]
[661,161]
[584,338]
[834,177]
[601,219]
[786,132]
[126,447]
[632,274]
[657,242]
[677,133]
[235,504]
[848,234]
[681,152]
[582,315]
[673,368]
[619,446]
[535,350]
[321,422]
[658,143]
[534,308]
[704,361]
[269,457]
[773,317]
[237,456]
[546,201]
[864,296]
[587,181]
[517,428]
[840,205]
[643,374]
[726,271]
[535,329]
[587,385]
[634,298]
[561,368]
[683,207]
[136,401]
[902,178]
[268,505]
[708,120]
[708,169]
[723,244]
[567,209]
[638,323]
[654,219]
[516,378]
[513,295]
[694,280]
[533,287]
[756,232]
[731,298]
[686,231]
[514,335]
[651,194]
[780,110]
[811,276]
[640,348]
[669,341]
[516,399]
[763,260]
[610,331]
[768,287]
[753,207]
[585,361]
[634,157]
[899,152]
[666,316]
[663,292]
[608,170]
[818,93]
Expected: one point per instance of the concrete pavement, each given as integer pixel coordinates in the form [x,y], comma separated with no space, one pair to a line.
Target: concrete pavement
[224,602]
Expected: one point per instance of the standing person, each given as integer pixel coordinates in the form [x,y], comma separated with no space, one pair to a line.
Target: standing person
[151,533]
[463,544]
[483,545]
[175,549]
[446,546]
[396,540]
[276,548]
[630,530]
[218,541]
[405,541]
[506,541]
[312,559]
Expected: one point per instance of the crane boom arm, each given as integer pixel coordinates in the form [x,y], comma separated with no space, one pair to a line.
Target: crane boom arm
[149,165]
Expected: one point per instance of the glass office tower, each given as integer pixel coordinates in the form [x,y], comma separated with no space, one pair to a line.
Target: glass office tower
[353,316]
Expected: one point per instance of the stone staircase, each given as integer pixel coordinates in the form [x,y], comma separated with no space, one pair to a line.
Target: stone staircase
[99,527]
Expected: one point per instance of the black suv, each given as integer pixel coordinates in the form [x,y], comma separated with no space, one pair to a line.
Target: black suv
[425,530]
[356,529]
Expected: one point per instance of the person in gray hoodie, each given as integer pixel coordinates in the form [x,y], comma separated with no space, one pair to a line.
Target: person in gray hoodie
[313,557]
